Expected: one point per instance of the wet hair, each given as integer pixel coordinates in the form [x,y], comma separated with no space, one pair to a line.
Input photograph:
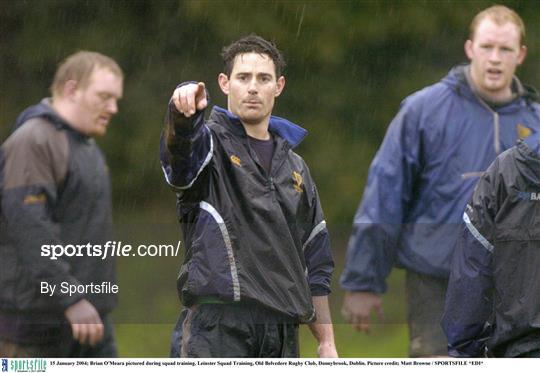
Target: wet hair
[500,15]
[79,67]
[252,44]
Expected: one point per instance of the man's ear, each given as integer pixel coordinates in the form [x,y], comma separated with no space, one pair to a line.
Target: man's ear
[522,54]
[468,49]
[280,85]
[223,81]
[70,88]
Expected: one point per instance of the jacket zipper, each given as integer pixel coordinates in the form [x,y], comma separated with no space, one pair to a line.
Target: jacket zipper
[275,169]
[272,186]
[268,175]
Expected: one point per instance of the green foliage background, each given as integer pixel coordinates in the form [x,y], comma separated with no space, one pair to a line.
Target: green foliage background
[350,63]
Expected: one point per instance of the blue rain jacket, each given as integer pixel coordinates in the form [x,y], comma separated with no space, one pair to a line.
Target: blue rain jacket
[420,180]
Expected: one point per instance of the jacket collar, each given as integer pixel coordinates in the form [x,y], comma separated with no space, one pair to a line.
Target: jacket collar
[528,158]
[44,110]
[290,132]
[457,79]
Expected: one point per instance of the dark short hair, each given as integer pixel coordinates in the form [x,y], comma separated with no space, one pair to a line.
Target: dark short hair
[256,44]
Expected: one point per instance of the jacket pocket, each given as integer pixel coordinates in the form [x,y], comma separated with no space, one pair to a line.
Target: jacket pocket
[517,284]
[212,270]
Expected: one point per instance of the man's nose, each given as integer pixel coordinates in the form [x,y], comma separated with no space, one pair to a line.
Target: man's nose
[252,86]
[495,55]
[112,107]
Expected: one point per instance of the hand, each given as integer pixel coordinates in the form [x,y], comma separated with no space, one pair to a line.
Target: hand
[86,324]
[357,307]
[327,350]
[190,97]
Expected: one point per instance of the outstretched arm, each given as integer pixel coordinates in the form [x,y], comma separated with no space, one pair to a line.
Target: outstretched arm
[186,143]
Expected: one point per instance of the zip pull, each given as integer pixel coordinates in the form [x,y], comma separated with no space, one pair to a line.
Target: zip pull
[272,186]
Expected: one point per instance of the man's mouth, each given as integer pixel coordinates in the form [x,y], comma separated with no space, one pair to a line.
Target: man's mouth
[104,120]
[252,102]
[494,73]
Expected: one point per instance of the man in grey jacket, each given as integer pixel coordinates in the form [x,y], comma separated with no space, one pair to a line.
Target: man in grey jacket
[55,190]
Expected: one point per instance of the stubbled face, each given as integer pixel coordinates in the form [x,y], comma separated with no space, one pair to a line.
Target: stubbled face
[252,87]
[97,103]
[495,53]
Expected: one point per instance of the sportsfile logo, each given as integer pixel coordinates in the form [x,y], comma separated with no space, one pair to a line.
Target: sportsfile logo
[24,365]
[529,196]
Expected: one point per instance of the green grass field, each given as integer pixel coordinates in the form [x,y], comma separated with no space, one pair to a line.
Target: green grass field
[152,340]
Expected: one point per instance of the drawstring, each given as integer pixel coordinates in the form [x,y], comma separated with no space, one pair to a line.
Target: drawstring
[496,138]
[496,126]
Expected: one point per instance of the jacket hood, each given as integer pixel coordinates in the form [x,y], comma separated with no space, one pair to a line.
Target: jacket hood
[41,110]
[457,80]
[528,160]
[290,132]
